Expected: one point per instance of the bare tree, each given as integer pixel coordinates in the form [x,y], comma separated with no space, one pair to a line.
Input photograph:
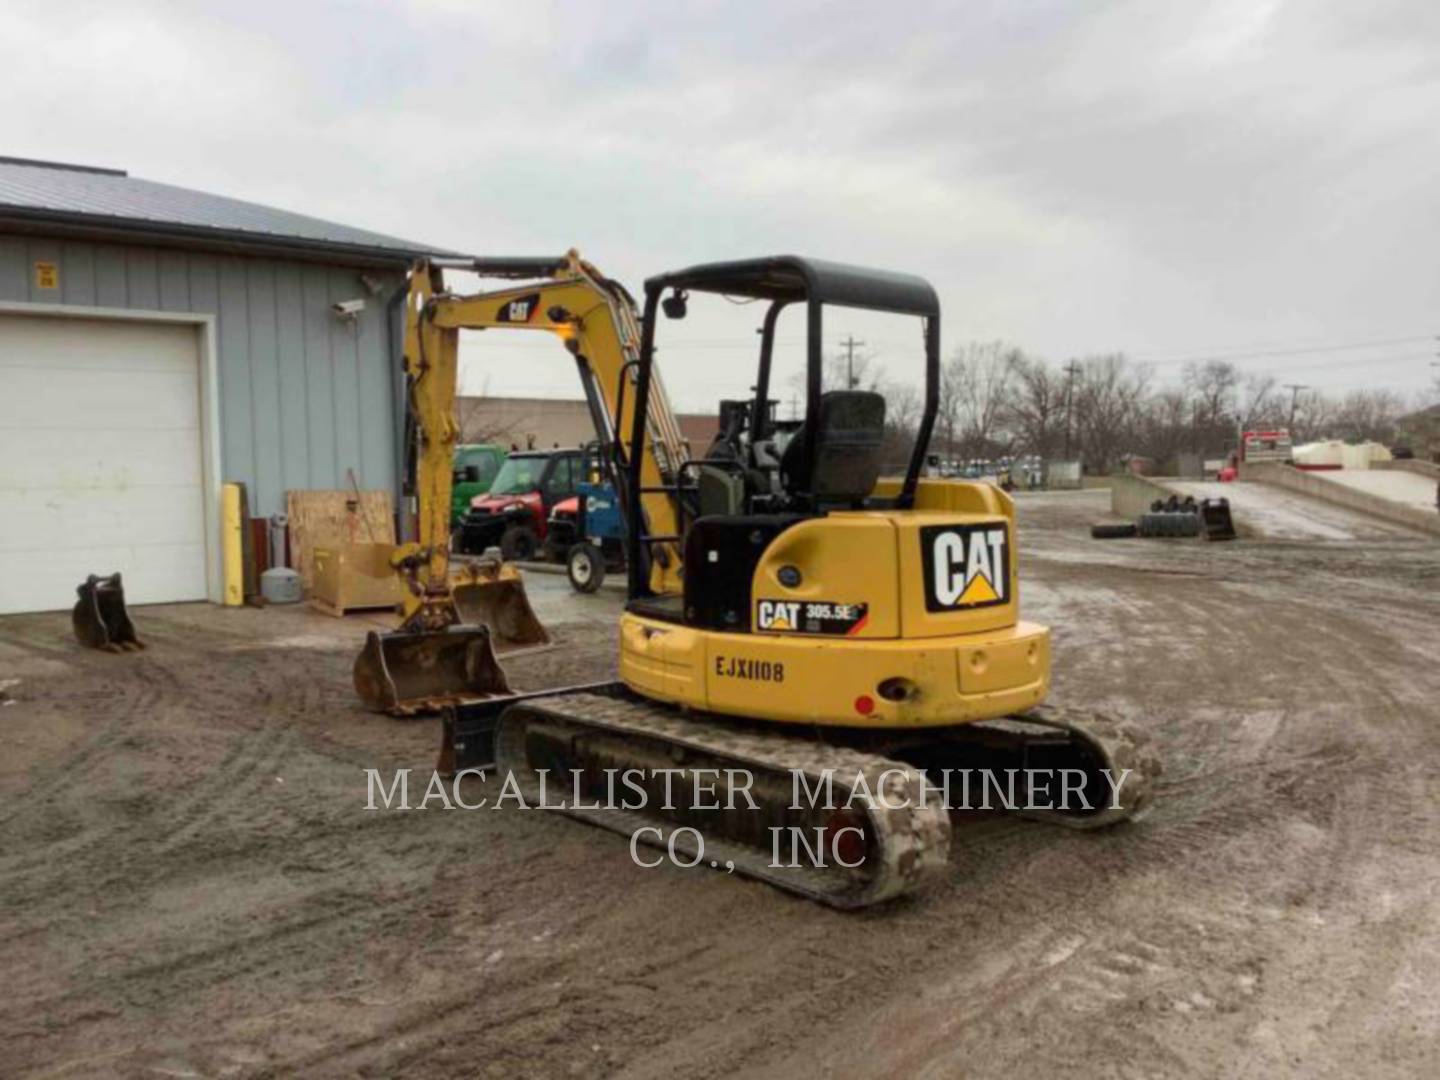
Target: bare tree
[1163,428]
[1036,412]
[904,406]
[1313,417]
[1213,388]
[1367,415]
[1259,404]
[1109,397]
[979,377]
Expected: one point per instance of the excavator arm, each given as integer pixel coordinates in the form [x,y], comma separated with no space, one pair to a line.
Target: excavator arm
[595,319]
[442,651]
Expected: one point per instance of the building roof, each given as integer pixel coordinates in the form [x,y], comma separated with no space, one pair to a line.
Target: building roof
[77,199]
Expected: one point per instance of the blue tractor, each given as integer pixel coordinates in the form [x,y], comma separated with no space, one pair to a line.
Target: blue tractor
[588,531]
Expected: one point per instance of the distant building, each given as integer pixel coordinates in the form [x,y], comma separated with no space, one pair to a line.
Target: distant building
[700,429]
[1420,431]
[545,422]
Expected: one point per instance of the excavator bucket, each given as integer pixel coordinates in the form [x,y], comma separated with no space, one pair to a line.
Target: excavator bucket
[409,671]
[100,618]
[1215,520]
[495,598]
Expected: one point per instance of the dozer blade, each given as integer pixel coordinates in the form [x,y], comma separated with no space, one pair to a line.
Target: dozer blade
[1216,520]
[409,672]
[500,605]
[100,618]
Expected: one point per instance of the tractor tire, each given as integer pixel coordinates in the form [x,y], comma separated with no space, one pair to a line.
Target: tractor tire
[1112,532]
[519,543]
[585,567]
[1174,526]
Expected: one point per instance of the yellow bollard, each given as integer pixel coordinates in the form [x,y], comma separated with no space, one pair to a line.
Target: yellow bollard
[231,545]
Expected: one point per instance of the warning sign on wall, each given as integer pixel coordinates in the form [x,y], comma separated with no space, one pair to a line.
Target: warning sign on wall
[47,275]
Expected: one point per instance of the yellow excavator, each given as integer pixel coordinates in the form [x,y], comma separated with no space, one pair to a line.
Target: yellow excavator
[795,623]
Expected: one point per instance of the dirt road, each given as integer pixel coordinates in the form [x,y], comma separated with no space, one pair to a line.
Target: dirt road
[190,886]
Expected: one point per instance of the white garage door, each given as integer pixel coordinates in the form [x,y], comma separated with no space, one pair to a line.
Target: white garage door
[100,461]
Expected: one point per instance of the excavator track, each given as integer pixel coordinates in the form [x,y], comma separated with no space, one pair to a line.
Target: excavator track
[1116,765]
[905,824]
[906,838]
[1117,746]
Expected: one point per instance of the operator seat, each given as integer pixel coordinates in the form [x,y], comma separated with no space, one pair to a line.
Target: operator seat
[722,550]
[849,436]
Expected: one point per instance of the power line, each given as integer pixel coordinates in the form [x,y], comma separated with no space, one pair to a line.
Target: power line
[1222,354]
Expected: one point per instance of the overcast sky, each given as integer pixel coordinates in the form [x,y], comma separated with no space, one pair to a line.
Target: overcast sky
[1174,180]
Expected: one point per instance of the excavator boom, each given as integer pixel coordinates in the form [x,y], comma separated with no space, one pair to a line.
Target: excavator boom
[456,616]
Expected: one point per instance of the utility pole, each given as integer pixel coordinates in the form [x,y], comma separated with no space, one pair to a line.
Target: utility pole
[1071,370]
[1294,389]
[850,344]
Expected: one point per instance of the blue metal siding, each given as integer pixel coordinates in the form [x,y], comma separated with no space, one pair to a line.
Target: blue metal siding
[303,395]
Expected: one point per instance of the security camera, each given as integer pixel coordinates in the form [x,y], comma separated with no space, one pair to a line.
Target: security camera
[348,309]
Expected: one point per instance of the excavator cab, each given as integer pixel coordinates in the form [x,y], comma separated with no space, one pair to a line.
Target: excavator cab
[761,476]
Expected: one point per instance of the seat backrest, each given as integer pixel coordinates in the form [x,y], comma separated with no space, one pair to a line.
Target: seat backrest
[721,491]
[849,435]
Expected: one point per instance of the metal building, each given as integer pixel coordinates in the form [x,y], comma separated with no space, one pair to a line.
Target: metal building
[156,342]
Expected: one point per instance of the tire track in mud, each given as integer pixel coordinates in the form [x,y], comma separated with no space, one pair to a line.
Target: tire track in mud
[104,858]
[524,1004]
[1305,778]
[351,918]
[125,706]
[407,1044]
[348,918]
[178,836]
[250,761]
[163,687]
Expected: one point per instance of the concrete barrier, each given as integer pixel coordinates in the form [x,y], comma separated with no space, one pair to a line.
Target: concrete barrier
[1427,469]
[1131,496]
[1315,485]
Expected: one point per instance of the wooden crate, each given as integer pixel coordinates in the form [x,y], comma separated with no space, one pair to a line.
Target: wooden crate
[351,577]
[333,518]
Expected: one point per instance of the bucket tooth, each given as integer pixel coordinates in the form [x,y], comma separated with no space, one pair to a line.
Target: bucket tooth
[100,618]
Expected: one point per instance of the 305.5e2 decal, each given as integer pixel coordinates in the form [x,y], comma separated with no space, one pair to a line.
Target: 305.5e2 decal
[811,617]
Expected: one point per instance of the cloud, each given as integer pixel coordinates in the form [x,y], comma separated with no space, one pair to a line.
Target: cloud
[1158,177]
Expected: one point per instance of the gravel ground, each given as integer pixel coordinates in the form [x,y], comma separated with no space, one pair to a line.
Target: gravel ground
[190,886]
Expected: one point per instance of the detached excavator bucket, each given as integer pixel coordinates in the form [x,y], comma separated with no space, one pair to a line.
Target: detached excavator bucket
[498,601]
[1215,519]
[100,618]
[409,672]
